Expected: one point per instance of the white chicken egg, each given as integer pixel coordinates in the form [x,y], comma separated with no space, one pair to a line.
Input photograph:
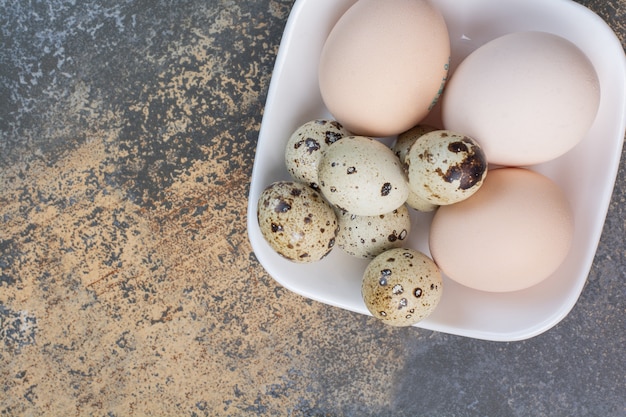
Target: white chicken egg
[527,97]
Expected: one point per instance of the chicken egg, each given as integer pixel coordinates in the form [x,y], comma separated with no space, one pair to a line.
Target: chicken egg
[526,97]
[513,233]
[384,65]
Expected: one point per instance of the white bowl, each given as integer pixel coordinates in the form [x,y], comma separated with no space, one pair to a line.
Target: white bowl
[587,173]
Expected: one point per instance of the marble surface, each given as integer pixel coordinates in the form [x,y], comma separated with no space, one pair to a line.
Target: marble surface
[128,286]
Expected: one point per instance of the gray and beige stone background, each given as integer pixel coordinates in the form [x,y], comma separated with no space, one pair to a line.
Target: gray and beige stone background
[128,286]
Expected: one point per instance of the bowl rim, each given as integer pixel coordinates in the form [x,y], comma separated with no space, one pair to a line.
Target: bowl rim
[611,45]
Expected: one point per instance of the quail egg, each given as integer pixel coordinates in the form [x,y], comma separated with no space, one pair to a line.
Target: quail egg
[368,236]
[401,147]
[362,176]
[446,167]
[307,144]
[296,221]
[401,286]
[405,140]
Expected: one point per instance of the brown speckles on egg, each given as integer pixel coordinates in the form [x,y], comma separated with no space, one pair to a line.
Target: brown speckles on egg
[402,307]
[385,190]
[469,171]
[405,140]
[362,175]
[445,167]
[306,146]
[296,221]
[312,145]
[384,275]
[457,147]
[331,137]
[395,236]
[282,207]
[368,236]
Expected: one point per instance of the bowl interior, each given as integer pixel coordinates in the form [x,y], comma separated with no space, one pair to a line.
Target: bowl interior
[586,174]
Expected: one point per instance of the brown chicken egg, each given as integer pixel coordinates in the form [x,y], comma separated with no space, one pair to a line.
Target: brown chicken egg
[384,65]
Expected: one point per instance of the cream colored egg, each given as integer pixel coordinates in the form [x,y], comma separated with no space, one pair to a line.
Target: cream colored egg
[512,234]
[369,236]
[384,65]
[401,287]
[401,147]
[362,176]
[526,97]
[296,221]
[420,204]
[405,140]
[445,167]
[307,144]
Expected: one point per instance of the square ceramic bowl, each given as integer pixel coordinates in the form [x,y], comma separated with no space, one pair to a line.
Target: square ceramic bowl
[587,173]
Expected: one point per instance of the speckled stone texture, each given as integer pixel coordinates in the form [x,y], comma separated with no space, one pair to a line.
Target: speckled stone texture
[128,286]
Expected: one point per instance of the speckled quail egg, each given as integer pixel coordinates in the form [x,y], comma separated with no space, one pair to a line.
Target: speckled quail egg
[307,144]
[296,221]
[401,148]
[368,236]
[446,167]
[362,176]
[405,140]
[401,286]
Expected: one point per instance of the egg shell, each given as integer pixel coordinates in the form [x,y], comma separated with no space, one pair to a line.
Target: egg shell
[369,236]
[445,167]
[401,286]
[405,140]
[306,145]
[420,204]
[384,65]
[526,97]
[296,221]
[362,176]
[401,147]
[512,234]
